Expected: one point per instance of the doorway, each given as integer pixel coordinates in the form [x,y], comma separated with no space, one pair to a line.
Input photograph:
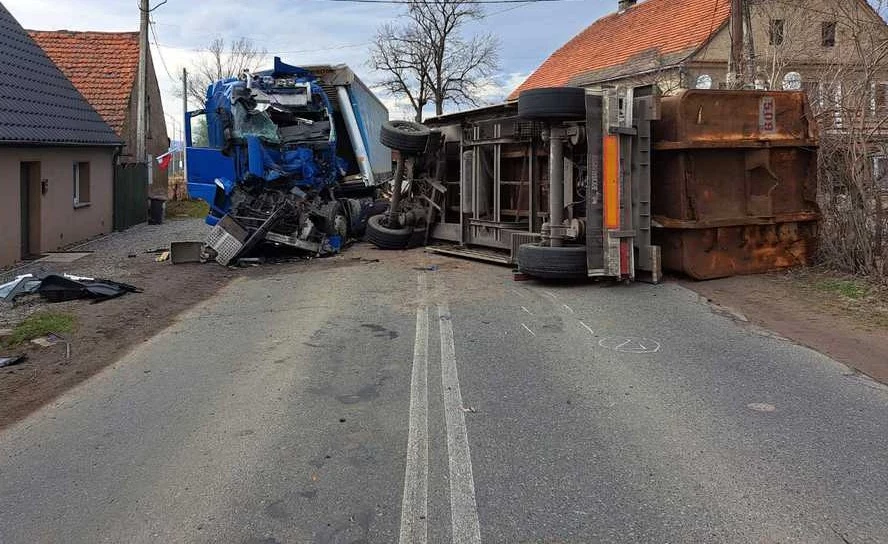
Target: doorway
[30,196]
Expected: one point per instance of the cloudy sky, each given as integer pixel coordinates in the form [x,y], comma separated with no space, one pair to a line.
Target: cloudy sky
[308,31]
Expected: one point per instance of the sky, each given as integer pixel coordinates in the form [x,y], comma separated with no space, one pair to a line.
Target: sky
[309,32]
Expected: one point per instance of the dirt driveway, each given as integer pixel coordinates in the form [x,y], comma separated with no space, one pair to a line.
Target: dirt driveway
[844,318]
[104,332]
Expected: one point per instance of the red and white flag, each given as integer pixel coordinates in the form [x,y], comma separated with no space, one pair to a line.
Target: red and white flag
[164,160]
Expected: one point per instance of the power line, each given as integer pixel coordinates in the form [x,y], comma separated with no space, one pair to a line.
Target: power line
[408,2]
[159,52]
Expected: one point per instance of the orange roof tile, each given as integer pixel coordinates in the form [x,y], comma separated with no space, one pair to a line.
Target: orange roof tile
[101,65]
[651,28]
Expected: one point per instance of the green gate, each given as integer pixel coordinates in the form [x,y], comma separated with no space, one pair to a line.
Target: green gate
[130,195]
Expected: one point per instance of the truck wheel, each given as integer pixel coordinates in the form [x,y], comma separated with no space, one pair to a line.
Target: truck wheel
[559,103]
[405,136]
[552,263]
[383,237]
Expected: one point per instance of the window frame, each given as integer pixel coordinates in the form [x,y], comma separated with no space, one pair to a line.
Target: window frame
[828,34]
[777,32]
[81,178]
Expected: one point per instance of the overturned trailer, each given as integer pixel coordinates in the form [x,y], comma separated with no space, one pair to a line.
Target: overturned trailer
[500,163]
[293,159]
[708,183]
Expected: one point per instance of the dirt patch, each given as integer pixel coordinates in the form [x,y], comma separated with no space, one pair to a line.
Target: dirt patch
[843,317]
[104,332]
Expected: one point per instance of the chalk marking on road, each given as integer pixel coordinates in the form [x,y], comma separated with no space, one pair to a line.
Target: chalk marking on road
[528,329]
[761,407]
[463,508]
[569,309]
[630,344]
[549,294]
[587,328]
[517,292]
[414,504]
[526,310]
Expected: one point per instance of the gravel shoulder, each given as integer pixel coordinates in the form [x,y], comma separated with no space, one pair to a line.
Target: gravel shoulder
[104,332]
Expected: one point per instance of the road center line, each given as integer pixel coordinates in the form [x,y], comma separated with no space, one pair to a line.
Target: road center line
[528,329]
[526,310]
[463,508]
[414,504]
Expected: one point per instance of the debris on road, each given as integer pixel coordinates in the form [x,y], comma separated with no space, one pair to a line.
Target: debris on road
[162,257]
[186,252]
[21,285]
[10,360]
[55,288]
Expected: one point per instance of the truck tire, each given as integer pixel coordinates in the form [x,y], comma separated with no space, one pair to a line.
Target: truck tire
[552,263]
[555,103]
[404,136]
[385,238]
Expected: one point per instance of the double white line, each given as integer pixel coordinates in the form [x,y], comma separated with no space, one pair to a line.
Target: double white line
[414,506]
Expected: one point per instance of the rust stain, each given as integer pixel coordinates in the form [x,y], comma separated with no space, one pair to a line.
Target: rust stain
[734,196]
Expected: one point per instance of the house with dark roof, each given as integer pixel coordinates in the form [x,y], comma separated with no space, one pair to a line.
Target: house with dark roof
[56,153]
[103,66]
[686,44]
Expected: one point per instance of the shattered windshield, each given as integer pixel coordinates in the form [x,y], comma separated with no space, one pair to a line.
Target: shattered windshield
[254,123]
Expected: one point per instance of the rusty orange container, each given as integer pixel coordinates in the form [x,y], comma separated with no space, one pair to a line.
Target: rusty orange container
[734,182]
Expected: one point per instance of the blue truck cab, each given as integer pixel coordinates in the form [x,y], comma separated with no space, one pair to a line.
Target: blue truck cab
[305,130]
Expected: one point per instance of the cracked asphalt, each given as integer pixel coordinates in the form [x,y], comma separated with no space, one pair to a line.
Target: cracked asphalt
[421,399]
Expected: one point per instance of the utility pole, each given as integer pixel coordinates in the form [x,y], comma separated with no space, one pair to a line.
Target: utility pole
[142,84]
[735,67]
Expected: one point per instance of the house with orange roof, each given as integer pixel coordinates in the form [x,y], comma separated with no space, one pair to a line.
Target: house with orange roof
[686,44]
[103,66]
[56,154]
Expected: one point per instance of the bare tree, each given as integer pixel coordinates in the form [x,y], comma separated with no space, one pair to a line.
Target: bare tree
[221,60]
[427,59]
[401,53]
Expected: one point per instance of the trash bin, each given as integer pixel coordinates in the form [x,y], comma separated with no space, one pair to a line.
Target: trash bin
[156,208]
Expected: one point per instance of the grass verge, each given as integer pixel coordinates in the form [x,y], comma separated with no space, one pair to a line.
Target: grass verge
[37,325]
[180,209]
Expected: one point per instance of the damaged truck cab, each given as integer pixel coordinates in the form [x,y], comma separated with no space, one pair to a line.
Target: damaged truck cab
[292,152]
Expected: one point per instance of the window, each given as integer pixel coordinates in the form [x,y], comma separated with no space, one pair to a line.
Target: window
[703,82]
[81,184]
[777,31]
[828,34]
[880,171]
[792,81]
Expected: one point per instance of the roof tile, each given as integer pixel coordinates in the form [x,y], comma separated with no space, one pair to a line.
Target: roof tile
[38,104]
[663,27]
[102,65]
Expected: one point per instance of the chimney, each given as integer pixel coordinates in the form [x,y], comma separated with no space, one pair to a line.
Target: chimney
[623,5]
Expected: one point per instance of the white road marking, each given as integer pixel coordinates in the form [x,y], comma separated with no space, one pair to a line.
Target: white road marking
[569,309]
[588,328]
[528,329]
[463,508]
[526,310]
[414,504]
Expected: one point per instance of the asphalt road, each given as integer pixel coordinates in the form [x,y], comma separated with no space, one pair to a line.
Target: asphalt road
[348,401]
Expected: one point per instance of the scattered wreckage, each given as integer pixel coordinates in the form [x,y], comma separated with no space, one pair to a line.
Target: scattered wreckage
[289,162]
[64,287]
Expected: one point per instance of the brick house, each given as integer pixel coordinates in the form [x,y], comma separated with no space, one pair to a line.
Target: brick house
[104,68]
[686,44]
[56,153]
